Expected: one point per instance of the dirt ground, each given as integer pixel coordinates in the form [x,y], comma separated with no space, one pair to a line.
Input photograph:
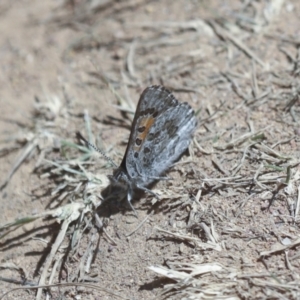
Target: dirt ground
[226,226]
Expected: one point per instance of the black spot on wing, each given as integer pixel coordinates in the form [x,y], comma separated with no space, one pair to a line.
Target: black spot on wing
[155,114]
[152,136]
[138,141]
[147,150]
[141,129]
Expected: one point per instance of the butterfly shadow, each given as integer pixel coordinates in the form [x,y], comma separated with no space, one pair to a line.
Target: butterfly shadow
[115,200]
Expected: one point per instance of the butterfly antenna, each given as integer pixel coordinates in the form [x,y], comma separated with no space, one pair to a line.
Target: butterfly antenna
[80,137]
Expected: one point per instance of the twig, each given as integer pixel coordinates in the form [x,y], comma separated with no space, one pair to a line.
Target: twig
[140,225]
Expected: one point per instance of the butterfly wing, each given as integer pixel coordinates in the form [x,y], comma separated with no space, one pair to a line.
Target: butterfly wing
[161,131]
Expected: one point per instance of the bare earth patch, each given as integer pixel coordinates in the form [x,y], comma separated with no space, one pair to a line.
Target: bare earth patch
[227,224]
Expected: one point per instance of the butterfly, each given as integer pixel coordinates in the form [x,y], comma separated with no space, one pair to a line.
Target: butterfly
[161,132]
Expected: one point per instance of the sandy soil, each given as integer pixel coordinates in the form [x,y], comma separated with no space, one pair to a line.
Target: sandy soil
[226,225]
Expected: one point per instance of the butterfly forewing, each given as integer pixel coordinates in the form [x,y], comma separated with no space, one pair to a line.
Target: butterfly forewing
[161,131]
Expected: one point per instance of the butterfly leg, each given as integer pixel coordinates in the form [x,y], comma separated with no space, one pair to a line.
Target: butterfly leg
[129,198]
[148,191]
